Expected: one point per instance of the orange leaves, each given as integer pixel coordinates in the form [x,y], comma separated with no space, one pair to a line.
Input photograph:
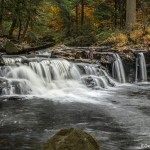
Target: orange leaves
[54,19]
[54,10]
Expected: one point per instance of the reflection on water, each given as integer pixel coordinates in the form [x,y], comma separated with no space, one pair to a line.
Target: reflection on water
[119,118]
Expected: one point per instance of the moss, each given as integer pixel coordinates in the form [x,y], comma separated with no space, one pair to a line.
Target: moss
[71,139]
[11,48]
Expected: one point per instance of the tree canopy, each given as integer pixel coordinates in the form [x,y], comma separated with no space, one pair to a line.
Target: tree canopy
[67,20]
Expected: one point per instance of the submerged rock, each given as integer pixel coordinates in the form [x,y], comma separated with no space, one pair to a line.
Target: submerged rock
[71,139]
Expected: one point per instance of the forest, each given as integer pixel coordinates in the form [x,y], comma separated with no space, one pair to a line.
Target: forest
[74,74]
[76,22]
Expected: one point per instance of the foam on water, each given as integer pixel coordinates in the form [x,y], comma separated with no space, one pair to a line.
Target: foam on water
[55,79]
[143,70]
[118,69]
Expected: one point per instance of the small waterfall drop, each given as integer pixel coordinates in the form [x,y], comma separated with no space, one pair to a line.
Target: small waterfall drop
[140,61]
[41,76]
[118,69]
[93,76]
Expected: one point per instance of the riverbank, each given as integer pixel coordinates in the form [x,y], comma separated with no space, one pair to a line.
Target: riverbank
[102,54]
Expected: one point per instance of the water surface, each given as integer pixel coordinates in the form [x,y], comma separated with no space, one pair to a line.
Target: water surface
[118,118]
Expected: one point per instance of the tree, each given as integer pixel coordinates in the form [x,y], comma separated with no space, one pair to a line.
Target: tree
[82,12]
[130,14]
[1,14]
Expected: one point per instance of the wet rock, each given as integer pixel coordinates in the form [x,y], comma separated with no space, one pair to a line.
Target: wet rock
[71,139]
[11,48]
[3,84]
[78,55]
[89,82]
[1,46]
[2,41]
[1,61]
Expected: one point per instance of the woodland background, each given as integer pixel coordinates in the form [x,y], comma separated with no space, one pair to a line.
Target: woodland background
[76,22]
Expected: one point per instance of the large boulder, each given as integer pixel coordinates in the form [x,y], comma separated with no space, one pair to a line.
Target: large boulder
[11,48]
[71,139]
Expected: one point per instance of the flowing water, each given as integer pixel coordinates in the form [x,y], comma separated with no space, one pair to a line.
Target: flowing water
[118,69]
[39,96]
[142,64]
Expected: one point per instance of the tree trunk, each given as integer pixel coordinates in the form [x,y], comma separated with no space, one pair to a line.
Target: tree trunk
[26,28]
[82,12]
[124,13]
[121,12]
[1,14]
[20,28]
[13,25]
[130,14]
[77,13]
[115,13]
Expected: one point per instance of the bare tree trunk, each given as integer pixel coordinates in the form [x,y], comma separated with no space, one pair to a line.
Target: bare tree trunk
[82,12]
[1,14]
[26,28]
[77,13]
[115,13]
[120,10]
[20,28]
[123,13]
[13,25]
[130,14]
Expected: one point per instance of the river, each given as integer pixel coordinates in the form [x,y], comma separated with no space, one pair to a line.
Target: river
[119,118]
[32,110]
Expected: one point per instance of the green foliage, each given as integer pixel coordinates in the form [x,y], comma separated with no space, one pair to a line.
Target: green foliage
[19,19]
[83,40]
[103,11]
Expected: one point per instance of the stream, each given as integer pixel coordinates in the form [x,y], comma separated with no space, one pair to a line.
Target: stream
[41,97]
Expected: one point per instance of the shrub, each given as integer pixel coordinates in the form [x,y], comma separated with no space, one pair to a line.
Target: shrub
[121,39]
[117,39]
[146,39]
[136,35]
[84,40]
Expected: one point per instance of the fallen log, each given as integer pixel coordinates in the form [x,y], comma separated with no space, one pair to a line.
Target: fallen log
[14,50]
[36,48]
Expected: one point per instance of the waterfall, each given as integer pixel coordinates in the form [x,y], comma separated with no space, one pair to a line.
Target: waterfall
[93,76]
[140,61]
[40,76]
[118,69]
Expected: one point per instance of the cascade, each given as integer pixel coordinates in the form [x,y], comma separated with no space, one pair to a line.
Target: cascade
[41,75]
[92,75]
[118,69]
[141,63]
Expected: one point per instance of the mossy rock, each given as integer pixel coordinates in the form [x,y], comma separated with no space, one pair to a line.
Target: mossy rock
[71,139]
[11,48]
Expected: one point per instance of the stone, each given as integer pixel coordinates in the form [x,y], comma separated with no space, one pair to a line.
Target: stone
[71,139]
[1,61]
[1,46]
[11,48]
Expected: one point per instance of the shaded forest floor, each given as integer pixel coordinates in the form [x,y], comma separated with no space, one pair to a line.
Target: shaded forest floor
[119,40]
